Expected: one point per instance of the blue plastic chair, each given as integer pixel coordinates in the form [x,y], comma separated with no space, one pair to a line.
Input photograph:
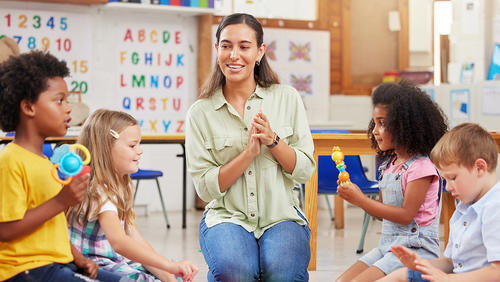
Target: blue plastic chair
[143,174]
[327,184]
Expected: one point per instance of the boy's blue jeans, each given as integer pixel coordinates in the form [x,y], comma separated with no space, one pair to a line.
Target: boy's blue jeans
[282,253]
[61,272]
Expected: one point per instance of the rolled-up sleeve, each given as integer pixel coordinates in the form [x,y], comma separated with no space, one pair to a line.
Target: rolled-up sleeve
[301,141]
[200,163]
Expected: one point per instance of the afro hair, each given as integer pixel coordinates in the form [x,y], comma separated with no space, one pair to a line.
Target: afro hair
[24,77]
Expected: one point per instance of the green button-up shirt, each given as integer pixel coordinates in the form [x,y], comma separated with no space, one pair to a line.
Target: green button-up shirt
[263,195]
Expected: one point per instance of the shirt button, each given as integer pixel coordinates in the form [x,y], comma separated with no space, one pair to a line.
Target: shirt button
[246,129]
[251,194]
[248,107]
[414,229]
[459,264]
[252,214]
[250,173]
[456,245]
[465,223]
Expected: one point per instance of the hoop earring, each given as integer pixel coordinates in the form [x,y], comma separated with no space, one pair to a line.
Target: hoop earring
[257,63]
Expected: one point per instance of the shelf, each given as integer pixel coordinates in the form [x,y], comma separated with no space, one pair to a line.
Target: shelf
[148,8]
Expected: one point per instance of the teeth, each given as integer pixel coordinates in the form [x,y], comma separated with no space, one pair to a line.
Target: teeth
[234,67]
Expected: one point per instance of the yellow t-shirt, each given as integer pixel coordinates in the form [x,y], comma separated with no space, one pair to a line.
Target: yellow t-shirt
[25,183]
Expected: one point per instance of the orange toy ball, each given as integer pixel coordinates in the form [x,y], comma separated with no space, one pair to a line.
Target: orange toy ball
[343,176]
[337,156]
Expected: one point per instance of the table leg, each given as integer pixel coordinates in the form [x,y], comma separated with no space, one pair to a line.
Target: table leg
[339,212]
[183,155]
[311,209]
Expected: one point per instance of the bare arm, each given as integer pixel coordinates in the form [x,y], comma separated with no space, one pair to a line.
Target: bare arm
[432,272]
[160,274]
[138,251]
[89,266]
[70,195]
[413,199]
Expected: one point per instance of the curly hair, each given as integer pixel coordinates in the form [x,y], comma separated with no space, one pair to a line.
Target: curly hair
[25,77]
[414,121]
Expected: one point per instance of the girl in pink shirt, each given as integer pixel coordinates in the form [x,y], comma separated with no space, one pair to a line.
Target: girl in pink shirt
[405,126]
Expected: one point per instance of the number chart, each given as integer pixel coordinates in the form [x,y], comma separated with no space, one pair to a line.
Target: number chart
[65,35]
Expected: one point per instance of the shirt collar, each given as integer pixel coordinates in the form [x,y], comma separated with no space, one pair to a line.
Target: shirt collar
[219,100]
[477,206]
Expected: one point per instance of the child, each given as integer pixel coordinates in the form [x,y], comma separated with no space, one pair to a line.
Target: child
[467,158]
[34,243]
[405,126]
[102,226]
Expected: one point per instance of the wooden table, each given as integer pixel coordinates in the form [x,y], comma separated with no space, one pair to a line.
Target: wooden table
[351,144]
[146,139]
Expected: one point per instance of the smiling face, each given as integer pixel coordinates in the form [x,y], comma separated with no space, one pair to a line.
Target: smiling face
[126,151]
[383,137]
[51,109]
[237,52]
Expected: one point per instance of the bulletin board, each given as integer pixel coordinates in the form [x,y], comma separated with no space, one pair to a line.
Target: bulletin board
[301,58]
[142,62]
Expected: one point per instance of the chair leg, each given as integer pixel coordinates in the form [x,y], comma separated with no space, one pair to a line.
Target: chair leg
[332,218]
[361,244]
[136,186]
[162,203]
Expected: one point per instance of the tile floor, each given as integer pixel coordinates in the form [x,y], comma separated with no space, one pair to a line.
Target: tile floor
[336,248]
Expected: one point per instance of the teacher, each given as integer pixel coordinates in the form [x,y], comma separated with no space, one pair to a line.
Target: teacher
[247,140]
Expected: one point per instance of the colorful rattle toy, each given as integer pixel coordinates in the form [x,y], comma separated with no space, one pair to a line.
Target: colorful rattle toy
[338,158]
[68,163]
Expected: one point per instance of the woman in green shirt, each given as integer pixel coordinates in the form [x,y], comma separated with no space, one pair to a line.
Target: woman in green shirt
[247,140]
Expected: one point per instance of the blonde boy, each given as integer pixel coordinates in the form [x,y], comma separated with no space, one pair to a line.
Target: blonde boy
[466,157]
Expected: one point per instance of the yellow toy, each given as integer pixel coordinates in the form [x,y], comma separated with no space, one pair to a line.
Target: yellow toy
[338,158]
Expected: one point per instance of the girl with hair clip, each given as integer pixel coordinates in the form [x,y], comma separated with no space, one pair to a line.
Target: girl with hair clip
[406,125]
[247,140]
[102,226]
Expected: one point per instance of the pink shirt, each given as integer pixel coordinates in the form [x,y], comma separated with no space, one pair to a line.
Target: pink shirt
[418,169]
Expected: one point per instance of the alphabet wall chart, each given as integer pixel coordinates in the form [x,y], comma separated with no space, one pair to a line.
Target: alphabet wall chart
[153,73]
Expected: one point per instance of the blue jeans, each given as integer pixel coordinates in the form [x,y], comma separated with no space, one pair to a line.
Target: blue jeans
[415,276]
[61,272]
[282,253]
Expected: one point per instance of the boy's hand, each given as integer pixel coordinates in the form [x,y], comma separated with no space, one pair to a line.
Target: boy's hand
[406,256]
[185,269]
[74,192]
[350,192]
[89,266]
[431,272]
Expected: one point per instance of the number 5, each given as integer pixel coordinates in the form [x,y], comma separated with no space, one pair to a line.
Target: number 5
[64,24]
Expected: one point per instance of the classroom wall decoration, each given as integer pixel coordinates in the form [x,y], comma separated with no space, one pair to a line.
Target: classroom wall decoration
[66,35]
[301,59]
[152,75]
[459,106]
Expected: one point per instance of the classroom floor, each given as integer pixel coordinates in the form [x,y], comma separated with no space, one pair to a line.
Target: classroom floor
[336,248]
